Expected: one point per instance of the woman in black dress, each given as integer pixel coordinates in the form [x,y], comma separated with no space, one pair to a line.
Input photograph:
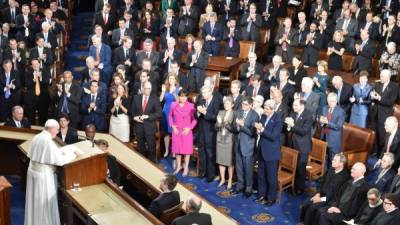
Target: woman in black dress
[148,27]
[297,72]
[335,51]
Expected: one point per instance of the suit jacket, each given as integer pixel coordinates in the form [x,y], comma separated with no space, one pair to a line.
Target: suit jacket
[395,185]
[153,110]
[3,42]
[7,54]
[30,84]
[335,128]
[262,90]
[7,14]
[235,49]
[258,69]
[206,123]
[114,172]
[313,47]
[177,55]
[71,137]
[270,142]
[51,38]
[269,21]
[105,57]
[361,108]
[197,69]
[33,28]
[345,94]
[217,33]
[154,58]
[173,30]
[352,27]
[254,34]
[188,24]
[74,101]
[247,133]
[232,11]
[383,184]
[97,115]
[98,19]
[287,92]
[163,202]
[312,103]
[48,61]
[394,148]
[302,34]
[373,30]
[290,46]
[384,107]
[364,57]
[116,36]
[24,123]
[193,218]
[119,58]
[301,131]
[297,77]
[15,93]
[331,182]
[393,37]
[350,197]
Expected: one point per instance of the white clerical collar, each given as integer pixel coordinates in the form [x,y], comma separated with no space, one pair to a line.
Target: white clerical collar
[377,204]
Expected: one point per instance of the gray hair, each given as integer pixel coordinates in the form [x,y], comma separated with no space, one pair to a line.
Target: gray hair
[390,156]
[270,103]
[227,99]
[342,157]
[51,123]
[374,191]
[193,203]
[148,41]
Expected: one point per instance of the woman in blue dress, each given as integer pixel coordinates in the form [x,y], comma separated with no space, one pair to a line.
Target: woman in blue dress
[361,101]
[169,92]
[321,81]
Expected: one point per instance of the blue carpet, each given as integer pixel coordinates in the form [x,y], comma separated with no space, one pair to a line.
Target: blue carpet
[17,201]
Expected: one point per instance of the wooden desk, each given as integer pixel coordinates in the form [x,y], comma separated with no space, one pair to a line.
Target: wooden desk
[5,215]
[102,204]
[222,64]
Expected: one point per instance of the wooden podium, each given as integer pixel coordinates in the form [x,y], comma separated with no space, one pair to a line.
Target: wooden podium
[5,216]
[87,169]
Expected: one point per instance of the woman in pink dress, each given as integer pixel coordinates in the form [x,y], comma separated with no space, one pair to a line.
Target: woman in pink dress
[182,121]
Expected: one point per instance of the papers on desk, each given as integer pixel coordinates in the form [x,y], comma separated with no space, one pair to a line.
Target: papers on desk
[83,148]
[350,222]
[71,149]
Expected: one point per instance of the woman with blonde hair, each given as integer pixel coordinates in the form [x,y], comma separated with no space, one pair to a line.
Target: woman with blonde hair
[119,120]
[335,51]
[169,93]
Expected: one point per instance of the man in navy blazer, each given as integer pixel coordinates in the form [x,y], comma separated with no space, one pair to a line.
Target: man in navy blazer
[384,178]
[332,120]
[102,54]
[212,34]
[93,107]
[300,125]
[244,122]
[269,128]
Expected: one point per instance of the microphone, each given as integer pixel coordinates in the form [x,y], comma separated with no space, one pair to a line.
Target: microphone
[84,137]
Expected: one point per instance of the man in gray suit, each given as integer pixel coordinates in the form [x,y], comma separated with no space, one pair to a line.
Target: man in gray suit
[349,27]
[244,149]
[148,53]
[286,41]
[311,98]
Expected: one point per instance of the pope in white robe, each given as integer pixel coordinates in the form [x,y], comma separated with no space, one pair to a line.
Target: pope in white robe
[41,206]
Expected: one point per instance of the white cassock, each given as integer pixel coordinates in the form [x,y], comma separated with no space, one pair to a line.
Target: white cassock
[41,206]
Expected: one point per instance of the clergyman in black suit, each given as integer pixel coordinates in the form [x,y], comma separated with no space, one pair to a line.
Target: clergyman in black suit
[17,119]
[146,111]
[168,197]
[67,134]
[299,123]
[193,214]
[327,187]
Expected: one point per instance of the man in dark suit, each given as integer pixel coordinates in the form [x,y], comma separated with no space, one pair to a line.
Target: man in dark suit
[138,86]
[311,98]
[344,92]
[251,23]
[42,53]
[193,215]
[228,9]
[370,26]
[317,8]
[302,27]
[312,45]
[148,53]
[249,69]
[235,94]
[154,76]
[37,82]
[286,41]
[384,97]
[16,55]
[231,36]
[26,26]
[10,13]
[68,98]
[384,177]
[168,197]
[299,123]
[10,85]
[212,34]
[113,171]
[146,111]
[268,11]
[188,18]
[391,141]
[256,88]
[168,28]
[349,26]
[207,111]
[332,119]
[67,134]
[17,119]
[365,51]
[197,62]
[269,128]
[282,110]
[50,39]
[93,107]
[119,33]
[105,19]
[394,187]
[389,7]
[245,146]
[327,187]
[357,12]
[55,27]
[285,87]
[169,55]
[348,199]
[102,55]
[125,55]
[3,40]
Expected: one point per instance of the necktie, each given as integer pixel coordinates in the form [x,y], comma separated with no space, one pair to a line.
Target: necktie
[37,87]
[230,42]
[105,18]
[345,24]
[266,122]
[329,117]
[207,103]
[244,115]
[148,55]
[93,99]
[18,124]
[98,55]
[189,48]
[363,44]
[126,53]
[144,103]
[212,27]
[389,143]
[248,28]
[12,14]
[8,92]
[64,107]
[255,92]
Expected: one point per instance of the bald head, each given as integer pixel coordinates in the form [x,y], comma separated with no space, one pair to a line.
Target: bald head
[358,170]
[193,204]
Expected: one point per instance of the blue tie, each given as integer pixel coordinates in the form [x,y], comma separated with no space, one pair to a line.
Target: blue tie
[266,122]
[7,94]
[64,108]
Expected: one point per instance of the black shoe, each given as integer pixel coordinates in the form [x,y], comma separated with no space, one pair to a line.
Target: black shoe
[201,176]
[259,200]
[269,203]
[210,179]
[247,194]
[235,192]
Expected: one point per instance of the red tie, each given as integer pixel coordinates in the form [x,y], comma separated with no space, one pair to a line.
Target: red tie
[326,130]
[144,103]
[254,92]
[105,18]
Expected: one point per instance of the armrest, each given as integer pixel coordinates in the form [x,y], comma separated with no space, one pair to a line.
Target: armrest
[353,151]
